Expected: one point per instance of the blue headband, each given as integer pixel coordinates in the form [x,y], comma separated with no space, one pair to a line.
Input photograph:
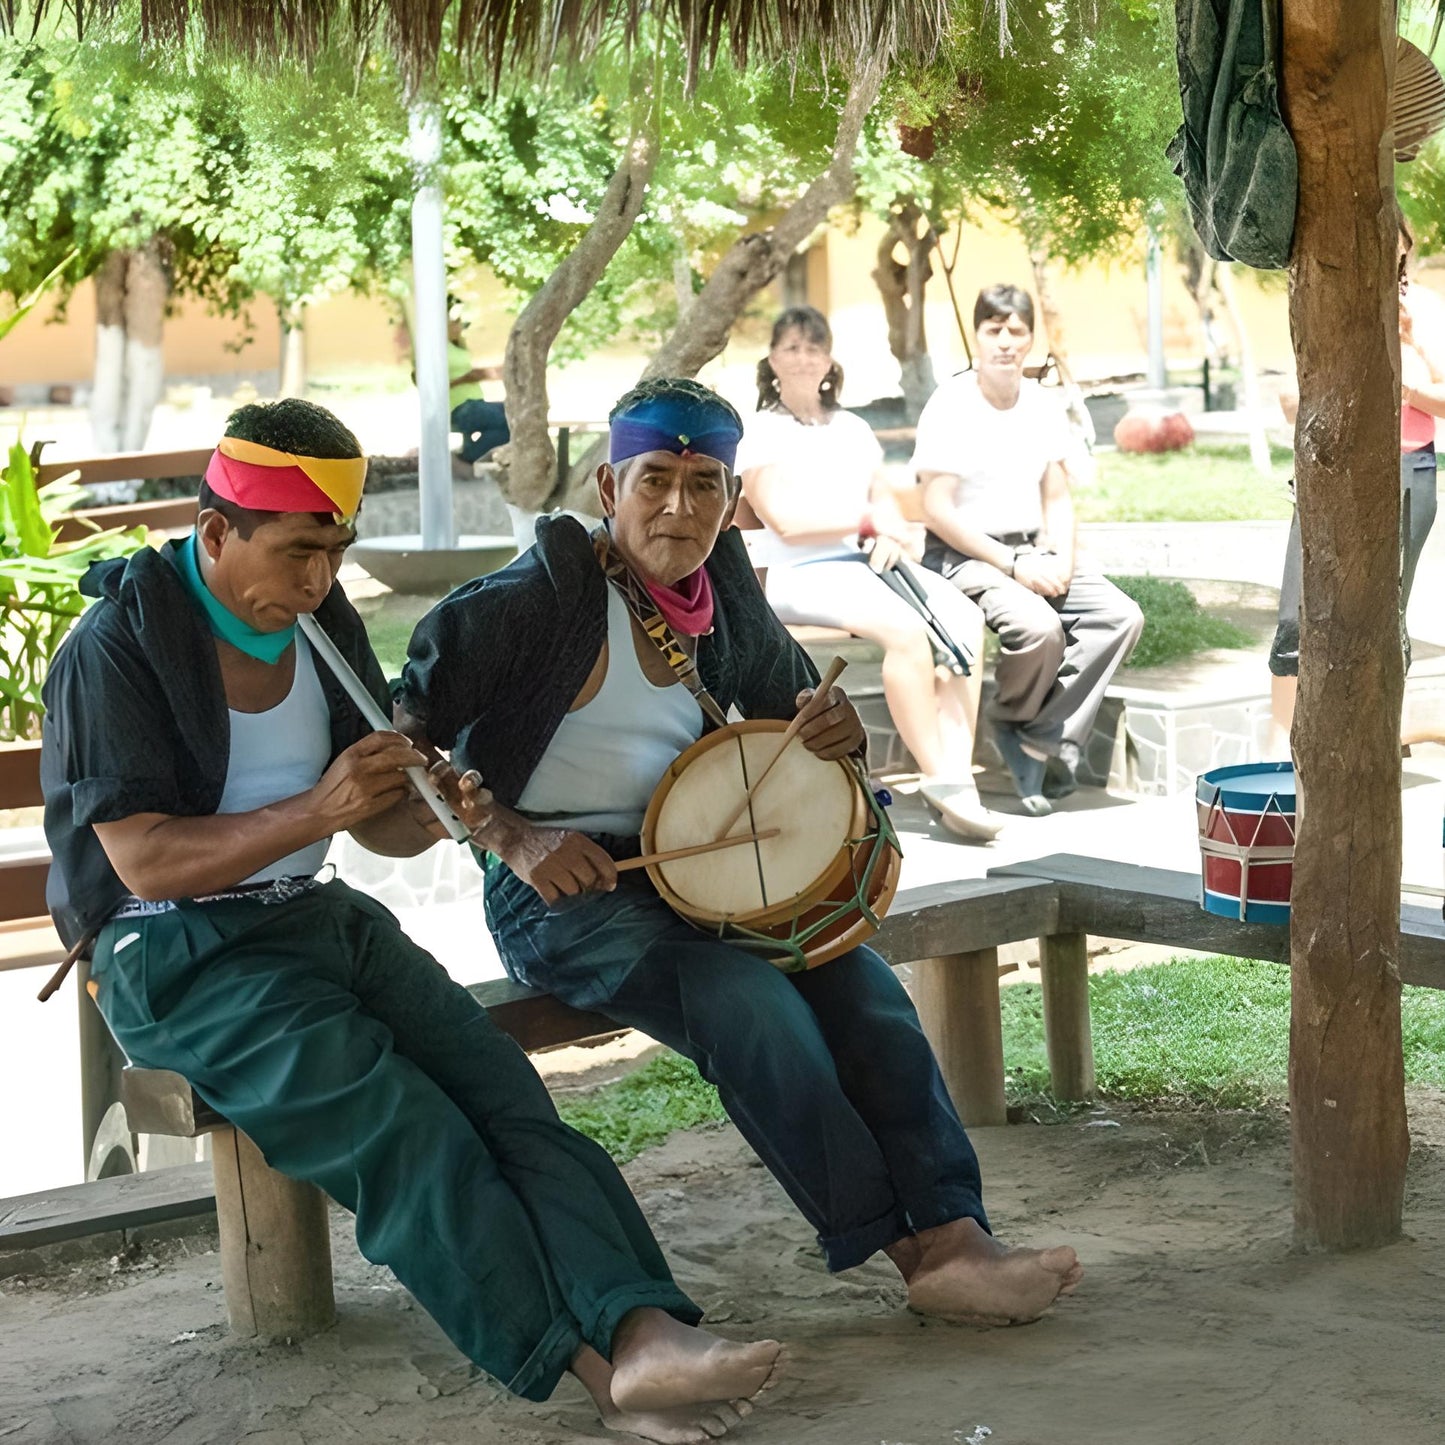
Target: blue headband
[676,424]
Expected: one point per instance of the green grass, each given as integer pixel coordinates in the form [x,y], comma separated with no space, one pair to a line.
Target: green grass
[1212,1031]
[1206,1031]
[390,620]
[1204,483]
[644,1108]
[1175,625]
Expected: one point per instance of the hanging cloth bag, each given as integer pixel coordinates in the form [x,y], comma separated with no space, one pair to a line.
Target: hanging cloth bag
[1234,153]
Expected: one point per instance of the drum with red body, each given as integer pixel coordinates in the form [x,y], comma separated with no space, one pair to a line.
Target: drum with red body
[1247,819]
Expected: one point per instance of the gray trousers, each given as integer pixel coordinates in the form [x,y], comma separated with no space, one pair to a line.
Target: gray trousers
[1417,516]
[1056,654]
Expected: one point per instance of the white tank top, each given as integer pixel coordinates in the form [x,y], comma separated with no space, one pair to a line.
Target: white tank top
[278,753]
[605,759]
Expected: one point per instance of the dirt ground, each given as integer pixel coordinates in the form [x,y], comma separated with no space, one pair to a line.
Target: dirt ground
[1197,1321]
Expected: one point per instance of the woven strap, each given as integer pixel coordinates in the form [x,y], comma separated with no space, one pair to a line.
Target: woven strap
[644,609]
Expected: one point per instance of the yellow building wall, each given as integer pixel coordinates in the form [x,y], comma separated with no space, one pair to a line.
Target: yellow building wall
[349,337]
[1103,306]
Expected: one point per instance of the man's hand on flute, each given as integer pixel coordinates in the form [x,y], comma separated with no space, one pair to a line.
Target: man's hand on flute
[465,795]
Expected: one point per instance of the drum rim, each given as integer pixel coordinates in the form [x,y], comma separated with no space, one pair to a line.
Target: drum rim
[778,912]
[1211,787]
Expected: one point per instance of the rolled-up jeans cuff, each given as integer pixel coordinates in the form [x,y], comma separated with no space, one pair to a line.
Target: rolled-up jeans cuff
[599,1330]
[948,1207]
[848,1251]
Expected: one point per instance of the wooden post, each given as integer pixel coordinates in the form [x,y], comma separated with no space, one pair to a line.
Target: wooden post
[275,1244]
[101,1062]
[1347,1100]
[957,1001]
[1064,970]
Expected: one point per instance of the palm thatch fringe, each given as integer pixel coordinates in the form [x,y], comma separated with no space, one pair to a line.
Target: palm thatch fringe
[500,37]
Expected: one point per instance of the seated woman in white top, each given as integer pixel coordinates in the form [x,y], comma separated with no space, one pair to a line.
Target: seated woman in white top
[813,475]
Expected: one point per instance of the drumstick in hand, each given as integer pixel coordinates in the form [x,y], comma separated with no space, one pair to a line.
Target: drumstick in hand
[834,672]
[669,854]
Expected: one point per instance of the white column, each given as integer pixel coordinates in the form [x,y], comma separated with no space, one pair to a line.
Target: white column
[429,329]
[1158,377]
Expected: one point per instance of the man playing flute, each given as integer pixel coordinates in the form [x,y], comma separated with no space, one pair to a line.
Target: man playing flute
[546,679]
[197,760]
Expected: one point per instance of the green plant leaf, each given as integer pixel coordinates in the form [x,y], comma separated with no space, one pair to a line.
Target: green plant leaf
[31,529]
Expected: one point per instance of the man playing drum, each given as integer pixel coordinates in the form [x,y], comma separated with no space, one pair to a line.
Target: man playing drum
[541,678]
[991,458]
[197,758]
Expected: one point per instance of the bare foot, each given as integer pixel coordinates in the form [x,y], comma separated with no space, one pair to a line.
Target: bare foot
[967,1276]
[687,1425]
[659,1363]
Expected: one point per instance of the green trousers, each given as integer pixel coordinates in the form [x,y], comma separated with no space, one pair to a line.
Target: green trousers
[352,1060]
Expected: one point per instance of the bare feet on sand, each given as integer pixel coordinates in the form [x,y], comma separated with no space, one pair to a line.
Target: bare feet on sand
[685,1425]
[958,1272]
[658,1363]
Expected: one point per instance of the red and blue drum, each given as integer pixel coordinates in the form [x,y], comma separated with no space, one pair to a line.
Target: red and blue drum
[1246,840]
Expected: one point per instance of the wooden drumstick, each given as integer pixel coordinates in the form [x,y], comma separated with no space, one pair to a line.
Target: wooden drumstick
[694,849]
[834,672]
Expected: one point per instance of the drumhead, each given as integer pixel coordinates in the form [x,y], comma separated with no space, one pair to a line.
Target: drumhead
[814,804]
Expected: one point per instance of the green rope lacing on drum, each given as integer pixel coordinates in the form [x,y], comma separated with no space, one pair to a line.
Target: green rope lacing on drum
[790,953]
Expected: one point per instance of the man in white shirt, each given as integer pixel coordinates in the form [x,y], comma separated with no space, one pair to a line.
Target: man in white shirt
[991,458]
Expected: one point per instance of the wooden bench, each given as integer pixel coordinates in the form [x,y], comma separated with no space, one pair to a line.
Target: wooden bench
[174,514]
[275,1246]
[274,1241]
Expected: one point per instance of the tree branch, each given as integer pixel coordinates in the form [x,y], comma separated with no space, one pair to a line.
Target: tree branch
[531,473]
[755,259]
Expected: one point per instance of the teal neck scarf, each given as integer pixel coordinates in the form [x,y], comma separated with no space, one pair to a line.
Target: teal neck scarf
[265,646]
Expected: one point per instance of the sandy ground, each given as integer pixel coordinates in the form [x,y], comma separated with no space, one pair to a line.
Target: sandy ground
[1197,1322]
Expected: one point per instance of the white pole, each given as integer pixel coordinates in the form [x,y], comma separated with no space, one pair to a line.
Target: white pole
[1158,377]
[429,328]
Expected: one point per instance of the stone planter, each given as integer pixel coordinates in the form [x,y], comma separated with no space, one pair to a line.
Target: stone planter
[404,565]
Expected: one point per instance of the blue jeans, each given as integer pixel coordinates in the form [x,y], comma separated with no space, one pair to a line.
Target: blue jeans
[352,1060]
[826,1073]
[483,425]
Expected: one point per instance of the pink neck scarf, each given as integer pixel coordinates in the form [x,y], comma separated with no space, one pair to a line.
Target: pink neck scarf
[687,605]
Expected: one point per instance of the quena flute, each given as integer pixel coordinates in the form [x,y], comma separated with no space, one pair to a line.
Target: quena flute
[327,650]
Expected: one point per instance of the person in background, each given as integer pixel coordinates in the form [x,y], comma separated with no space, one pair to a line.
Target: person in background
[813,475]
[991,454]
[482,423]
[1422,399]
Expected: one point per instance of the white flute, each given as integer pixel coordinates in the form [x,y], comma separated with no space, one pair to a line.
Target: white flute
[327,650]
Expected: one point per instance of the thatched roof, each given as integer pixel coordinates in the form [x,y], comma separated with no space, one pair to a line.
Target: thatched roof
[496,37]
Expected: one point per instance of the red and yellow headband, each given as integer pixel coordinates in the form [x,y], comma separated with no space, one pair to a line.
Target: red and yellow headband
[266,480]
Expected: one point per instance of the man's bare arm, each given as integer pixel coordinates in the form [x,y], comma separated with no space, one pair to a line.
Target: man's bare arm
[945,520]
[1057,499]
[160,856]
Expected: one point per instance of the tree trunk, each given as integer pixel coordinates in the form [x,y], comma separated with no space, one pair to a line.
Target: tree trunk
[531,472]
[293,350]
[755,259]
[108,384]
[1198,268]
[1350,1141]
[1248,378]
[147,289]
[1049,312]
[748,265]
[903,287]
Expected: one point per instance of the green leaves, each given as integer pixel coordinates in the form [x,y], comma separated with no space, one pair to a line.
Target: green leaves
[39,585]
